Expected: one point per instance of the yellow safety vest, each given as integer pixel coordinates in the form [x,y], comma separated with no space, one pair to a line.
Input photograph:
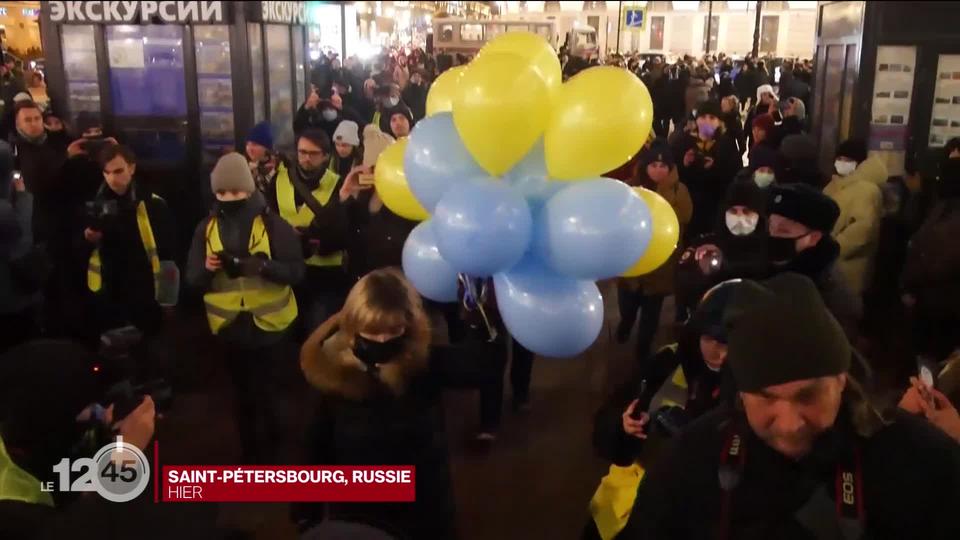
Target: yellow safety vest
[17,484]
[673,393]
[272,305]
[303,216]
[94,268]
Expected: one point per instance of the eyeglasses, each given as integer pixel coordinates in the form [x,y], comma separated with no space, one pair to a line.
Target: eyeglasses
[309,153]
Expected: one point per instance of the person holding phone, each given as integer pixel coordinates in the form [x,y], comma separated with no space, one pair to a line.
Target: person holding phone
[923,399]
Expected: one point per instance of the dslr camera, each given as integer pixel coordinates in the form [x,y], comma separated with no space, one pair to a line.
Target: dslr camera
[232,263]
[119,374]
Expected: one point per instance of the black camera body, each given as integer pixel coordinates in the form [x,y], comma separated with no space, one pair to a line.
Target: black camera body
[93,146]
[100,212]
[119,375]
[670,420]
[232,263]
[699,159]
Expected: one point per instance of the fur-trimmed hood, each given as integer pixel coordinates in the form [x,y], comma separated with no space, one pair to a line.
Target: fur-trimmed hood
[328,363]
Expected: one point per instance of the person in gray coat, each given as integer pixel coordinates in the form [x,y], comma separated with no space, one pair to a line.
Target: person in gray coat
[19,295]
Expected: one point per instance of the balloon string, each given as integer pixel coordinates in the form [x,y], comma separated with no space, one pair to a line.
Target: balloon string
[470,295]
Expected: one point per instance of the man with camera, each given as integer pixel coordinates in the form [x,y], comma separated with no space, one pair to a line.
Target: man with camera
[126,231]
[304,196]
[246,260]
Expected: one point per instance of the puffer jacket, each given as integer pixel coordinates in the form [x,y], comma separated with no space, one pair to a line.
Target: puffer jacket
[661,280]
[857,230]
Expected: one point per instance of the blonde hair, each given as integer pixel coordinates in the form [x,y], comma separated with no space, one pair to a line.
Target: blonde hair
[382,302]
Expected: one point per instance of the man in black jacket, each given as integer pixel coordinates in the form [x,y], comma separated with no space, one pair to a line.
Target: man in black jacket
[125,233]
[803,454]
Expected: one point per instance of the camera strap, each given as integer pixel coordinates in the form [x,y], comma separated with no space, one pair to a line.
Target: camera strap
[848,485]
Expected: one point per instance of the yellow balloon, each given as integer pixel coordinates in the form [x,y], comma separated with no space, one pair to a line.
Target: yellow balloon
[500,110]
[391,184]
[666,232]
[440,97]
[600,118]
[532,48]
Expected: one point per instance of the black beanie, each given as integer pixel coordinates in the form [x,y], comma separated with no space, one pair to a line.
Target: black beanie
[780,331]
[707,319]
[747,193]
[401,108]
[763,155]
[709,107]
[854,149]
[658,150]
[804,204]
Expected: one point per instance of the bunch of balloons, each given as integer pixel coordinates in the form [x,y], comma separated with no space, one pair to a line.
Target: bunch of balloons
[504,171]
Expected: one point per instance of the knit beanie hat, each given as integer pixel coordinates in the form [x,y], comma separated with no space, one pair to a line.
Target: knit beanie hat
[709,107]
[22,96]
[658,150]
[707,319]
[804,204]
[763,155]
[262,134]
[232,172]
[401,108]
[780,331]
[746,192]
[854,149]
[347,133]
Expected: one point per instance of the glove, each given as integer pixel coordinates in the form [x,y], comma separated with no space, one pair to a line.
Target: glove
[252,266]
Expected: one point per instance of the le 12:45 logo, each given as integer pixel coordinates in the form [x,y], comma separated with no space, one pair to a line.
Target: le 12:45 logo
[118,472]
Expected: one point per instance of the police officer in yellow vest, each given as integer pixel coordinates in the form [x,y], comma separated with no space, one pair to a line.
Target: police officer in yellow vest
[305,195]
[127,232]
[246,259]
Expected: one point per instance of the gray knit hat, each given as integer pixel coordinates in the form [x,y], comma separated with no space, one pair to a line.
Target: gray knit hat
[232,172]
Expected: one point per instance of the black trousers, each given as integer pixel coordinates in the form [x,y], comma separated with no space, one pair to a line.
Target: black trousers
[253,372]
[649,306]
[491,394]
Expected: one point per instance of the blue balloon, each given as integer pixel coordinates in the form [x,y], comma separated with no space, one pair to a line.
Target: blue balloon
[594,229]
[436,159]
[548,314]
[531,179]
[483,227]
[432,276]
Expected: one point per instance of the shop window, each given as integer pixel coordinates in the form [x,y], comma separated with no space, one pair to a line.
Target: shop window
[280,80]
[300,67]
[446,33]
[768,33]
[471,32]
[80,66]
[656,33]
[714,31]
[214,89]
[146,70]
[256,70]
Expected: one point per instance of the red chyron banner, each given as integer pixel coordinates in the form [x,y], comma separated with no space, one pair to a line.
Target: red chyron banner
[282,483]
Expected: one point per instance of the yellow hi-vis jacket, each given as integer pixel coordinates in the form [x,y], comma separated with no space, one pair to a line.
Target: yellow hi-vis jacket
[303,216]
[94,268]
[273,306]
[17,484]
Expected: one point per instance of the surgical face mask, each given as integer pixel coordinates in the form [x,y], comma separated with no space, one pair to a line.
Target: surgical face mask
[372,352]
[329,114]
[393,101]
[741,224]
[844,167]
[782,250]
[763,179]
[706,130]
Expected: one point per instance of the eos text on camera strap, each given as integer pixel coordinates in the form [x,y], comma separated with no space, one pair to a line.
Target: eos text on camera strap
[848,486]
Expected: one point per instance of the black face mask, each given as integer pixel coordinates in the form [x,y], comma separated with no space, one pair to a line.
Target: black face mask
[782,250]
[372,352]
[229,208]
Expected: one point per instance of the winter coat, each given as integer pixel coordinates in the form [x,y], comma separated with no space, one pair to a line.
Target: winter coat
[393,416]
[857,230]
[41,166]
[707,186]
[16,240]
[660,281]
[286,266]
[415,96]
[933,261]
[375,240]
[819,263]
[909,469]
[734,127]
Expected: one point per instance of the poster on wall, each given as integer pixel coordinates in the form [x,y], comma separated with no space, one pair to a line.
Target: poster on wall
[945,120]
[890,111]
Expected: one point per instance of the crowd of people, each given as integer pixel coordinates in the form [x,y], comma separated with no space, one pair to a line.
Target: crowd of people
[759,415]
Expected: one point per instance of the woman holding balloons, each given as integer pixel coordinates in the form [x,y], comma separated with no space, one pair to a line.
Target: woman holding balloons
[657,172]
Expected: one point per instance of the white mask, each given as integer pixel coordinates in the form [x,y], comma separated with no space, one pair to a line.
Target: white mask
[741,225]
[393,101]
[763,179]
[844,167]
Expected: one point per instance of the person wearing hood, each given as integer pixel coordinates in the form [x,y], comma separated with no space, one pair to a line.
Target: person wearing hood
[305,196]
[386,96]
[128,230]
[657,172]
[397,121]
[347,149]
[766,103]
[259,152]
[803,452]
[741,232]
[930,286]
[379,387]
[415,94]
[708,160]
[246,260]
[801,219]
[19,293]
[798,162]
[857,230]
[763,165]
[794,114]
